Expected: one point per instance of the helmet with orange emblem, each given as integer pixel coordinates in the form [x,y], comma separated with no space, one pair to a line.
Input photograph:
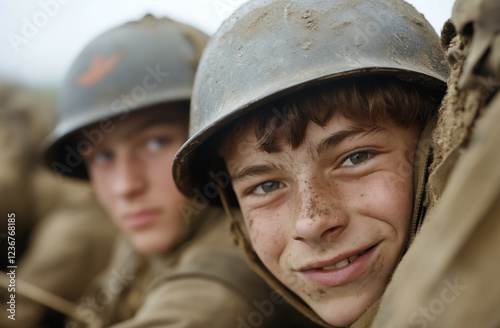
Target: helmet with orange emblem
[128,68]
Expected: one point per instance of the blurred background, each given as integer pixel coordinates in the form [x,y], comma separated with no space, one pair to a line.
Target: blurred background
[40,38]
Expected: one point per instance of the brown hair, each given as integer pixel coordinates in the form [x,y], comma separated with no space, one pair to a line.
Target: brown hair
[367,100]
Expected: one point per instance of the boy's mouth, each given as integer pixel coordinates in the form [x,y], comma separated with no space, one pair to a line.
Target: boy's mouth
[140,219]
[339,263]
[340,270]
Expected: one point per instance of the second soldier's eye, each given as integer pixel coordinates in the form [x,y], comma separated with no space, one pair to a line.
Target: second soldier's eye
[155,144]
[268,186]
[102,157]
[356,158]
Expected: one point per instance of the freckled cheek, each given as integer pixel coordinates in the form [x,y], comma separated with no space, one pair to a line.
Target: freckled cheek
[267,236]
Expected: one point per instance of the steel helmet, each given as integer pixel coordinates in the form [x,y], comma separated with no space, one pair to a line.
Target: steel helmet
[131,67]
[270,48]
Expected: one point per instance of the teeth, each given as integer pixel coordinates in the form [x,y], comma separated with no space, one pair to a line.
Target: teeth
[337,265]
[331,267]
[342,264]
[352,258]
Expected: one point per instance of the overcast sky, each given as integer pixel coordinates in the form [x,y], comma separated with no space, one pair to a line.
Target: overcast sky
[40,38]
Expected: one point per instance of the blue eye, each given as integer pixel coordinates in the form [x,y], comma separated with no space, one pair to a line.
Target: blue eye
[102,157]
[268,186]
[155,144]
[356,158]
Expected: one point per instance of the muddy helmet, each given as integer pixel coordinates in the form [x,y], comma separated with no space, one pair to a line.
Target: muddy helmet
[271,48]
[131,67]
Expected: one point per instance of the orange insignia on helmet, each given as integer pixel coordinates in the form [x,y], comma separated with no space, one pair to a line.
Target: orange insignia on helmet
[98,69]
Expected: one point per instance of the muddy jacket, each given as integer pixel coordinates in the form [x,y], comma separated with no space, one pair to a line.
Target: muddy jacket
[205,282]
[453,264]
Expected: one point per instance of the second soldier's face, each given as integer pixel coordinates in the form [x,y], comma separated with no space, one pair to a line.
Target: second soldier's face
[329,219]
[130,171]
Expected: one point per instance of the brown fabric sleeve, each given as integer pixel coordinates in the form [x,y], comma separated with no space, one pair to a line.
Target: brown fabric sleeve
[190,302]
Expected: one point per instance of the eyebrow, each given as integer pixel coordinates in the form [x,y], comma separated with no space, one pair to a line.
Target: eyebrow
[340,136]
[254,170]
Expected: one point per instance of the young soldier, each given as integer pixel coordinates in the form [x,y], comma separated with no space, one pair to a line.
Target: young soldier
[124,113]
[309,114]
[453,264]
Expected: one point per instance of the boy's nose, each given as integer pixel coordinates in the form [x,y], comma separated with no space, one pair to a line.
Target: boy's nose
[128,178]
[318,217]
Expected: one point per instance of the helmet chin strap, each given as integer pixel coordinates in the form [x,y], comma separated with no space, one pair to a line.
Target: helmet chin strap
[225,203]
[235,227]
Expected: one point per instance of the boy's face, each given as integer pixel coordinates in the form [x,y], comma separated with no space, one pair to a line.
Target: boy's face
[329,219]
[130,171]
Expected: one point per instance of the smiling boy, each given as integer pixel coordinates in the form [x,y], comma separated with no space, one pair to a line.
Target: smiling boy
[328,210]
[314,119]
